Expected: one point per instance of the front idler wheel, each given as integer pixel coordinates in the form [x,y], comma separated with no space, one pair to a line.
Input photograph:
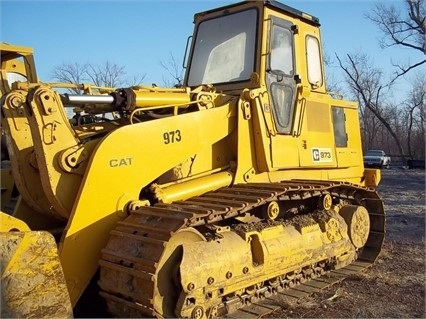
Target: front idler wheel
[358,221]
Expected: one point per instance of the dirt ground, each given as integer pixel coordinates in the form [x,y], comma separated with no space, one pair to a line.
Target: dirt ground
[394,287]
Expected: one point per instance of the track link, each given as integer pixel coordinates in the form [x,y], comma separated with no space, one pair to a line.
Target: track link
[131,262]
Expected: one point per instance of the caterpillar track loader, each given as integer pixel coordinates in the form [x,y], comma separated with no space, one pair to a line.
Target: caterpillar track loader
[214,199]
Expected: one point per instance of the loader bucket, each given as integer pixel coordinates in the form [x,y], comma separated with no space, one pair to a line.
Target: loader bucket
[32,281]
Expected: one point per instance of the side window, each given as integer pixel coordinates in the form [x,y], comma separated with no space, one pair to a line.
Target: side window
[340,136]
[314,61]
[282,50]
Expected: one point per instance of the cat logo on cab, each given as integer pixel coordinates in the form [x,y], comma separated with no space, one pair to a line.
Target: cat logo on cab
[322,155]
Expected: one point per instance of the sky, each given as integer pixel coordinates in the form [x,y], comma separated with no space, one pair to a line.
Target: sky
[140,34]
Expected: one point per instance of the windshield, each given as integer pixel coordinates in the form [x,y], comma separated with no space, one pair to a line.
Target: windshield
[224,49]
[374,153]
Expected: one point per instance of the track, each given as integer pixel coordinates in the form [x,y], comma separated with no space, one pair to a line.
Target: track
[267,305]
[138,267]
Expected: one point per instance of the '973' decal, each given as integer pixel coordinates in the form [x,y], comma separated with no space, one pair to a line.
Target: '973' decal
[322,155]
[172,137]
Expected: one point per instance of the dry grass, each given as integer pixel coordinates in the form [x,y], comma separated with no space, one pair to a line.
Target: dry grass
[393,288]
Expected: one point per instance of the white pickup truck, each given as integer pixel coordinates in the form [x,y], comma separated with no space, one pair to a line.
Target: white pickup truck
[376,158]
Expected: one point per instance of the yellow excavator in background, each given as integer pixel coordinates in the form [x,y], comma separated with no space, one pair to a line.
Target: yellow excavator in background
[211,199]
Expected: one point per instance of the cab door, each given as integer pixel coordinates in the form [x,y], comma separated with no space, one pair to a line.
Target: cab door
[281,84]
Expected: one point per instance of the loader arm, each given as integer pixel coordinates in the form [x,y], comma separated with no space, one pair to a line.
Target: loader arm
[74,165]
[119,171]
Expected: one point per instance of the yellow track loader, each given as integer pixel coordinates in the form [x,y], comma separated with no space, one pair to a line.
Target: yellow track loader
[211,199]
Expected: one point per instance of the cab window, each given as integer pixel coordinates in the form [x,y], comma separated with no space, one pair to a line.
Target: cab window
[313,61]
[281,51]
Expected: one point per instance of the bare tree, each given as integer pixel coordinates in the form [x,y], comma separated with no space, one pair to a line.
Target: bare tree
[405,29]
[365,82]
[71,73]
[174,70]
[332,83]
[104,75]
[415,108]
[135,80]
[108,74]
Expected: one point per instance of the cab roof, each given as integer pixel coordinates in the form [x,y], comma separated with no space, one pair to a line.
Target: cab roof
[274,5]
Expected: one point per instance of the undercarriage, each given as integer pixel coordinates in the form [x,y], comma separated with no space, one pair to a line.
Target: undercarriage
[240,249]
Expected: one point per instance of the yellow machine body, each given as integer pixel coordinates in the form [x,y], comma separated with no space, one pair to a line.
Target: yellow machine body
[248,178]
